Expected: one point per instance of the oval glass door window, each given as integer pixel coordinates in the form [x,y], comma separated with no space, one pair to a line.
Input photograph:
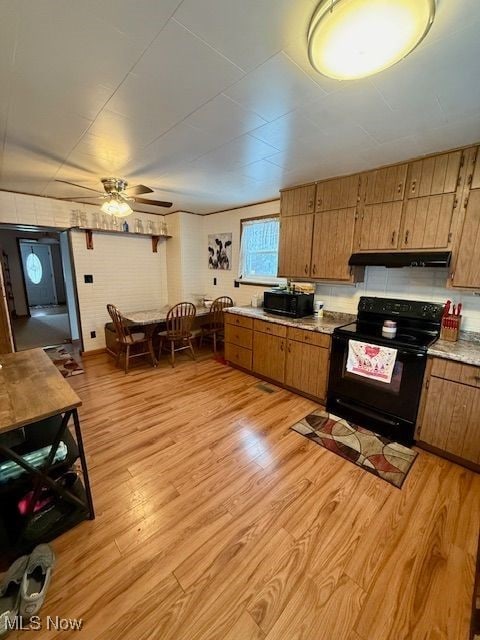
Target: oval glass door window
[34,268]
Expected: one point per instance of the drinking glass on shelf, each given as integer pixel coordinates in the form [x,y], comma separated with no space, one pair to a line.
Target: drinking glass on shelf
[105,221]
[75,218]
[83,219]
[96,221]
[150,228]
[164,229]
[114,223]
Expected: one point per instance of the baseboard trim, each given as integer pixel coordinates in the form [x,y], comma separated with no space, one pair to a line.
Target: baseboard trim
[93,352]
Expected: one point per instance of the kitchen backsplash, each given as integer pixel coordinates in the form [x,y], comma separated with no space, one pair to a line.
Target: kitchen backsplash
[408,283]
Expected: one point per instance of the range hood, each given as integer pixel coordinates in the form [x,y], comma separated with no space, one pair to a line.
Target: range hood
[401,259]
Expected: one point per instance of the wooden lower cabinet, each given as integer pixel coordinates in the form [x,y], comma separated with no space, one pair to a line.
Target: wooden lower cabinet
[239,356]
[307,368]
[450,419]
[269,353]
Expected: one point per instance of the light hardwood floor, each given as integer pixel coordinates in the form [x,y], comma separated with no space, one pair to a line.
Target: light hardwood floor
[215,521]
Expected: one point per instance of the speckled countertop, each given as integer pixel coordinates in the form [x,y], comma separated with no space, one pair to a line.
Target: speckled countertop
[466,350]
[330,321]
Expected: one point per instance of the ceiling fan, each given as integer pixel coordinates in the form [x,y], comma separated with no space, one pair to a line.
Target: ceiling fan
[117,196]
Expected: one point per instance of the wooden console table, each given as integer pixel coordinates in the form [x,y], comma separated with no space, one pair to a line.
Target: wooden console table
[34,395]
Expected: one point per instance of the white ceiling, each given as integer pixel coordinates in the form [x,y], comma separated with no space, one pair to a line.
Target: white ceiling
[213,102]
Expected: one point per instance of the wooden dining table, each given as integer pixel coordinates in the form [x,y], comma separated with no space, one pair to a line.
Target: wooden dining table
[154,317]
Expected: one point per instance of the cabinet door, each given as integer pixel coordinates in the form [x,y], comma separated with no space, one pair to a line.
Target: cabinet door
[295,246]
[338,193]
[6,335]
[269,356]
[450,420]
[467,266]
[474,181]
[332,244]
[380,227]
[434,175]
[307,368]
[297,201]
[427,222]
[385,185]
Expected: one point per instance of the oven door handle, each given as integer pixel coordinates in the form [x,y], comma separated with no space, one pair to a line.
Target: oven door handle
[366,412]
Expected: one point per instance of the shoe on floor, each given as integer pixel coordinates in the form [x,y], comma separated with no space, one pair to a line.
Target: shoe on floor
[10,593]
[36,580]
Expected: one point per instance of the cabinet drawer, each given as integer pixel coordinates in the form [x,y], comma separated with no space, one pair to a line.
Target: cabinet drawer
[239,336]
[309,337]
[270,328]
[238,355]
[456,371]
[239,321]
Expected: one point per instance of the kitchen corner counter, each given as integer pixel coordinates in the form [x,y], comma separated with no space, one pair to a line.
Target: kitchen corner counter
[466,350]
[330,321]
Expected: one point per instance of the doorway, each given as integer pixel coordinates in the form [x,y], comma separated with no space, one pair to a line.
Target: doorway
[40,288]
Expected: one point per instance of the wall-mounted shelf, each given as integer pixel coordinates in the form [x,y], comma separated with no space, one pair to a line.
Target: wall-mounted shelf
[89,236]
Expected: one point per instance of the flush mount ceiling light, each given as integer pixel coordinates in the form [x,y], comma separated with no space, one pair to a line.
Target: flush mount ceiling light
[116,206]
[350,39]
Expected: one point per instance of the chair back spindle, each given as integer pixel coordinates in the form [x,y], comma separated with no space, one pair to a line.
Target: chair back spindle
[179,321]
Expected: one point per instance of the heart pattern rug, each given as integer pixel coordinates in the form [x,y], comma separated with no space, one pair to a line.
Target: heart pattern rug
[376,454]
[64,361]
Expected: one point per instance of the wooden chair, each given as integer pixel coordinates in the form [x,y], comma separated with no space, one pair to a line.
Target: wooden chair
[126,340]
[178,330]
[214,327]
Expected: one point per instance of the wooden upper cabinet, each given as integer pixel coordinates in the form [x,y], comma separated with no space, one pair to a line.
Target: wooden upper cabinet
[333,244]
[269,353]
[466,271]
[297,201]
[295,247]
[384,185]
[379,227]
[338,193]
[434,175]
[427,222]
[474,178]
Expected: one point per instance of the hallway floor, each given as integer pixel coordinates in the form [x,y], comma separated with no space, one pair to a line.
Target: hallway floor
[46,326]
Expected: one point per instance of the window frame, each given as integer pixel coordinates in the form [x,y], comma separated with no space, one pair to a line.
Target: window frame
[260,280]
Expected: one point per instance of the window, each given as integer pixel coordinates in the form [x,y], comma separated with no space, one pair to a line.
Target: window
[34,268]
[259,250]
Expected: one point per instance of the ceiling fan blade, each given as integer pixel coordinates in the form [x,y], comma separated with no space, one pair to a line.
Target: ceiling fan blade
[138,189]
[80,198]
[80,186]
[153,203]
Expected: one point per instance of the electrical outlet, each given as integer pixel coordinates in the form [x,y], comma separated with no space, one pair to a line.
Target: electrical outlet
[88,279]
[214,281]
[93,334]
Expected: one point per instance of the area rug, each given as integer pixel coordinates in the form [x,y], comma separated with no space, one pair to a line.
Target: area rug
[376,454]
[64,361]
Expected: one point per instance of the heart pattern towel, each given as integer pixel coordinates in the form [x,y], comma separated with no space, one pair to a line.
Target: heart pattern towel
[371,361]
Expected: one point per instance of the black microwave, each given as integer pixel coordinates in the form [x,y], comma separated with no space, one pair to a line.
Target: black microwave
[283,303]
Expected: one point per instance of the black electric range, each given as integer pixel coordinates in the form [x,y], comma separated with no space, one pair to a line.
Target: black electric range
[386,407]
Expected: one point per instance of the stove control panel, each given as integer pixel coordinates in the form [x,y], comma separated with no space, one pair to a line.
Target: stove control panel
[401,308]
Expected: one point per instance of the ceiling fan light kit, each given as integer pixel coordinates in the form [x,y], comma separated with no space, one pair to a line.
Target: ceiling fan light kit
[117,195]
[351,39]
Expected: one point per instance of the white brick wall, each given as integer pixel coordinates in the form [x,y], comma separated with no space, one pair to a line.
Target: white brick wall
[125,272]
